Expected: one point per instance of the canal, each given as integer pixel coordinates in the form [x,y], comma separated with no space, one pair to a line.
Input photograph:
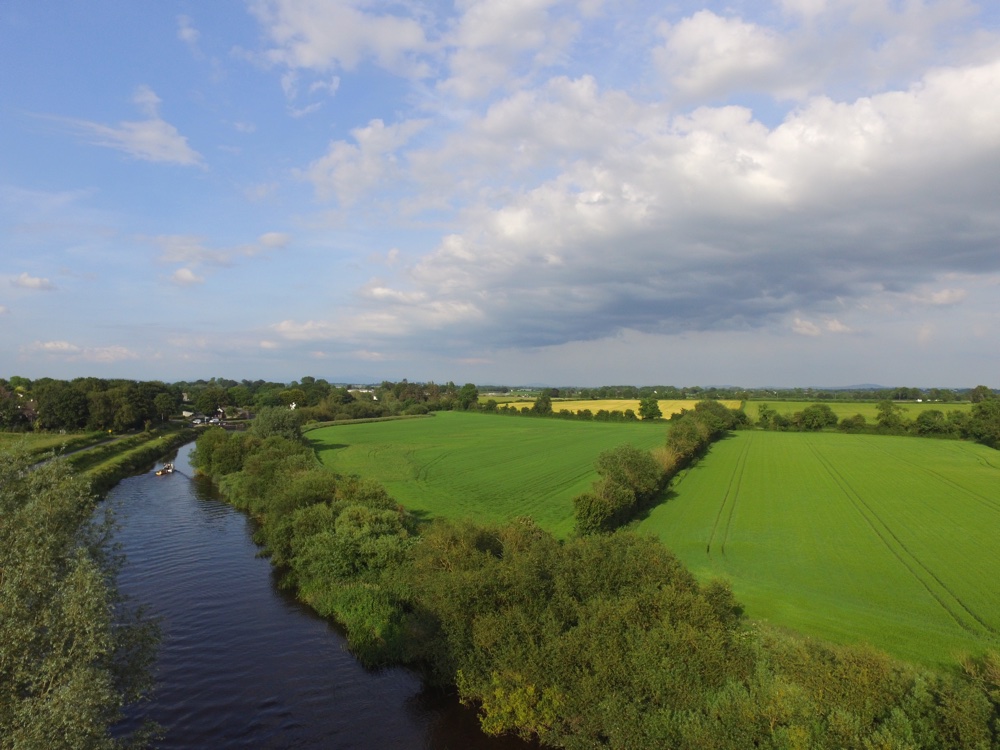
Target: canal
[242,664]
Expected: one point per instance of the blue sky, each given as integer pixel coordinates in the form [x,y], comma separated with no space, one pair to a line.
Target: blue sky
[801,192]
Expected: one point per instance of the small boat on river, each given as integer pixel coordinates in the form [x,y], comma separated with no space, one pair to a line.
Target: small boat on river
[167,469]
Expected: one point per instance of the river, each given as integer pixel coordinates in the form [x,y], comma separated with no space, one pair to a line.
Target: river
[242,664]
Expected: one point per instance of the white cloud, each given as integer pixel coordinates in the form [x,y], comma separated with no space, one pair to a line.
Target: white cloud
[835,326]
[4,310]
[587,211]
[709,55]
[349,170]
[186,277]
[941,297]
[191,251]
[152,139]
[188,34]
[26,281]
[312,330]
[329,86]
[493,42]
[273,240]
[805,327]
[325,34]
[74,353]
[297,112]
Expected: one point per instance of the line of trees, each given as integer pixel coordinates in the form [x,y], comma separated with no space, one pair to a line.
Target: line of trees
[980,423]
[602,640]
[631,480]
[84,403]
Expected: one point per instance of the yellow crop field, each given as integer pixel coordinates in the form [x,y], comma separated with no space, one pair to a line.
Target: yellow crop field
[667,406]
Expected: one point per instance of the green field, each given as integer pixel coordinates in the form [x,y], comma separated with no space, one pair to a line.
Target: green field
[889,540]
[867,409]
[36,442]
[481,466]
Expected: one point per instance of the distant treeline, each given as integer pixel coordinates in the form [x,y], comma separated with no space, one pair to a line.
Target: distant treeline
[603,640]
[980,423]
[740,393]
[122,405]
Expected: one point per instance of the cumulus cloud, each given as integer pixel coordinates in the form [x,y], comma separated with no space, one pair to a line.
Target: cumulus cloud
[710,55]
[26,281]
[321,35]
[152,139]
[491,41]
[630,217]
[348,170]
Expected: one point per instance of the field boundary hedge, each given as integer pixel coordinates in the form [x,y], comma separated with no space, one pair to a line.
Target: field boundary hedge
[368,420]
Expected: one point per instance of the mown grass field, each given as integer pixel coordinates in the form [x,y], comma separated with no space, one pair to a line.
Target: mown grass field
[867,409]
[481,466]
[889,540]
[667,406]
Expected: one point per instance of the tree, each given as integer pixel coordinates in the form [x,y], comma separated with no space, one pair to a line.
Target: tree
[211,399]
[165,405]
[61,406]
[984,422]
[931,422]
[980,393]
[11,416]
[765,416]
[857,423]
[276,420]
[815,417]
[649,408]
[468,396]
[542,405]
[889,415]
[72,654]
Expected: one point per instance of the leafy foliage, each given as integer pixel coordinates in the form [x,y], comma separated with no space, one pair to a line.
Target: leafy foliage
[72,655]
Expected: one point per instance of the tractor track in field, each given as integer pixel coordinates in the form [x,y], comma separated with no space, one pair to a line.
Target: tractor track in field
[732,490]
[866,512]
[989,502]
[424,470]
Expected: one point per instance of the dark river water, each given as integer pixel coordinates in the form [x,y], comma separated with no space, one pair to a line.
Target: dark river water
[241,663]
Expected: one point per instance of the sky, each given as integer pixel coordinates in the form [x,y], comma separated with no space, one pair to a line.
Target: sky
[566,192]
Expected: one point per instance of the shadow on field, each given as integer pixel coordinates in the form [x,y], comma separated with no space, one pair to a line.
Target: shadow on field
[669,492]
[643,513]
[319,446]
